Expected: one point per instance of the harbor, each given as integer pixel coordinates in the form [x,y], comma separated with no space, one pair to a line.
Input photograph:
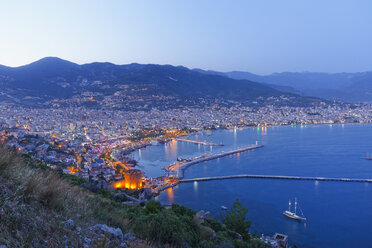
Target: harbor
[178,169]
[175,171]
[330,180]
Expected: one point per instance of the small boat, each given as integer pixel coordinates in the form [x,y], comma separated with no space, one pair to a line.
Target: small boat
[223,208]
[293,215]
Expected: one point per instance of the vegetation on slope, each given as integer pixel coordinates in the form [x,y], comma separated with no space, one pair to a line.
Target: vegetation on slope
[35,203]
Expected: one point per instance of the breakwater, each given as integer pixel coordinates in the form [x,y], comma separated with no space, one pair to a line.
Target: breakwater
[184,166]
[205,143]
[277,177]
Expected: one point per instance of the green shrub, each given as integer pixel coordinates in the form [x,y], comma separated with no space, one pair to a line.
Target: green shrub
[163,228]
[214,224]
[182,210]
[206,233]
[105,193]
[153,206]
[74,179]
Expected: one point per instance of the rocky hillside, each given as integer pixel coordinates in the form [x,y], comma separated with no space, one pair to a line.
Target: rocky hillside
[40,209]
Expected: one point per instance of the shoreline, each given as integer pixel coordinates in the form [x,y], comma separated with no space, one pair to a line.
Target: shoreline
[203,131]
[186,165]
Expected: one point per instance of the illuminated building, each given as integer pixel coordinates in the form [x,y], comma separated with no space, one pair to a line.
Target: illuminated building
[132,180]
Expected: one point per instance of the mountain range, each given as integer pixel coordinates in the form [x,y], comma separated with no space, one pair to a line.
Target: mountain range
[347,87]
[54,79]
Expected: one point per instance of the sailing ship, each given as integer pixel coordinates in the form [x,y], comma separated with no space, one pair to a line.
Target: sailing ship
[293,215]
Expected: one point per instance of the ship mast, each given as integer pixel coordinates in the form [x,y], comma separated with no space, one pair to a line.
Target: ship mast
[295,205]
[289,205]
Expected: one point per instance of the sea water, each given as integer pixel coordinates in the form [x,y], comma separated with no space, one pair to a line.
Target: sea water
[339,214]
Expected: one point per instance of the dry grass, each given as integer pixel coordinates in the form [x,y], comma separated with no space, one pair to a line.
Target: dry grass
[44,186]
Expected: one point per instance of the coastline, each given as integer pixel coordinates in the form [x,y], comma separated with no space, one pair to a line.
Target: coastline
[188,164]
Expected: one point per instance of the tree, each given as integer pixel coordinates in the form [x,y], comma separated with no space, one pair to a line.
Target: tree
[235,220]
[153,206]
[180,210]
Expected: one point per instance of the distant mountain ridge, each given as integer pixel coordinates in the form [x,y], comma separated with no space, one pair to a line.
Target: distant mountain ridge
[349,87]
[53,77]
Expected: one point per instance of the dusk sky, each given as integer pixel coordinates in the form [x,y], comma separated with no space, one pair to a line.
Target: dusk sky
[259,36]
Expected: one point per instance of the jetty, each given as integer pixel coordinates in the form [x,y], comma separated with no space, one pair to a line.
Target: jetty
[205,143]
[184,166]
[359,180]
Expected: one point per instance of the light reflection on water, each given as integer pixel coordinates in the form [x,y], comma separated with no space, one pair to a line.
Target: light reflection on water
[170,195]
[316,183]
[328,151]
[196,186]
[170,149]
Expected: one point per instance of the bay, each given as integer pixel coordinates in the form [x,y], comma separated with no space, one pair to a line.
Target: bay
[339,213]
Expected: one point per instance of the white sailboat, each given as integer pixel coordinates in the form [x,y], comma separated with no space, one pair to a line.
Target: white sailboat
[293,215]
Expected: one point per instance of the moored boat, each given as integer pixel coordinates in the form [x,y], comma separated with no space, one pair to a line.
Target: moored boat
[293,215]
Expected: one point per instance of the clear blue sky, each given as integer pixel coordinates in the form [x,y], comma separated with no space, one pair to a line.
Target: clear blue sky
[260,36]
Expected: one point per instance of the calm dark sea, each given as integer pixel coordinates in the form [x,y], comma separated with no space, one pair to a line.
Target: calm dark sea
[339,213]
